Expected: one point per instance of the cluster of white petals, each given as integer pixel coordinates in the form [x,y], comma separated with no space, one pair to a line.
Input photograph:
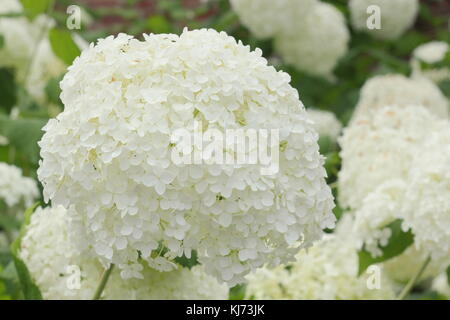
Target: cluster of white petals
[399,91]
[405,156]
[397,16]
[268,18]
[24,43]
[61,272]
[325,123]
[426,205]
[327,271]
[431,53]
[441,285]
[15,189]
[380,148]
[305,47]
[108,155]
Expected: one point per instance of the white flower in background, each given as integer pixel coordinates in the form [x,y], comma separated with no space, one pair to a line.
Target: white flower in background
[397,16]
[109,156]
[381,148]
[327,271]
[26,41]
[268,18]
[61,272]
[440,285]
[431,53]
[15,189]
[379,209]
[325,123]
[3,141]
[318,44]
[397,90]
[426,207]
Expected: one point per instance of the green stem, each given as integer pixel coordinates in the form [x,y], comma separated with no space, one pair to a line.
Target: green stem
[407,289]
[103,281]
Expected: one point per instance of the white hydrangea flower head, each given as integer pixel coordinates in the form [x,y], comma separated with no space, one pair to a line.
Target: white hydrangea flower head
[325,123]
[327,271]
[380,208]
[397,90]
[397,16]
[304,48]
[426,207]
[61,272]
[109,156]
[15,189]
[268,18]
[383,148]
[431,53]
[440,285]
[24,43]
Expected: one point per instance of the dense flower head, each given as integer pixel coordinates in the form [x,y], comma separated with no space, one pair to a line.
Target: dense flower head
[108,156]
[327,271]
[268,18]
[396,16]
[426,205]
[15,189]
[325,123]
[381,148]
[26,50]
[397,90]
[304,47]
[62,272]
[432,54]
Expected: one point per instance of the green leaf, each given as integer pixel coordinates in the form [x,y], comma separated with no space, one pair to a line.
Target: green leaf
[23,134]
[237,292]
[2,41]
[158,24]
[398,243]
[29,288]
[188,262]
[53,90]
[63,45]
[8,92]
[33,8]
[445,88]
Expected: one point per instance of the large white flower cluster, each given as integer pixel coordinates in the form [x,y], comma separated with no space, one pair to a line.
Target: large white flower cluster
[327,271]
[304,47]
[432,54]
[383,147]
[300,28]
[440,285]
[426,207]
[405,156]
[15,189]
[109,156]
[397,90]
[268,18]
[61,272]
[325,123]
[396,16]
[26,42]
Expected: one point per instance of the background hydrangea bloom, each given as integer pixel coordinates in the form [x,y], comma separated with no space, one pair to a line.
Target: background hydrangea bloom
[304,46]
[15,189]
[61,272]
[268,18]
[108,156]
[327,271]
[397,90]
[431,53]
[383,147]
[396,16]
[325,123]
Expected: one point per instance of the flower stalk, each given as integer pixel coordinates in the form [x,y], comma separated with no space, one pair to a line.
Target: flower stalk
[103,282]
